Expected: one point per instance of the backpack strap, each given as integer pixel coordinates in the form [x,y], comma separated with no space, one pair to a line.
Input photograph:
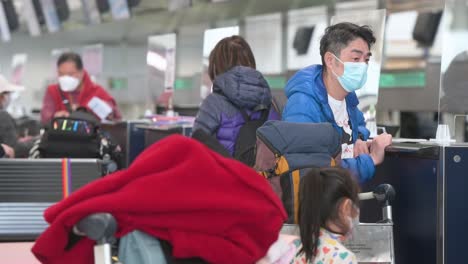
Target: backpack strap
[268,174]
[263,117]
[65,101]
[211,142]
[265,111]
[244,115]
[296,178]
[265,114]
[276,105]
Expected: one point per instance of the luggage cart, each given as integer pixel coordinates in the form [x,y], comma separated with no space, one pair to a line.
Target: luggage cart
[372,243]
[100,227]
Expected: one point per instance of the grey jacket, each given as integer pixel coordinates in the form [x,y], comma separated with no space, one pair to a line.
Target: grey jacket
[9,135]
[239,88]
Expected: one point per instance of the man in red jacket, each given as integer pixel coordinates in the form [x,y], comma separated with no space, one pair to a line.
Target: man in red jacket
[75,89]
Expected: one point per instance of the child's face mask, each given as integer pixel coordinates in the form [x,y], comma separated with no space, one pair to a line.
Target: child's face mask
[353,223]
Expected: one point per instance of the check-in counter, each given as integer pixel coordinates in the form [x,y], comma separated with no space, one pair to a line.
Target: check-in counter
[430,211]
[134,136]
[29,186]
[163,126]
[154,133]
[129,137]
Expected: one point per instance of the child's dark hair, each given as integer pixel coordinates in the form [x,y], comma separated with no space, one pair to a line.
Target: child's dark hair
[320,194]
[229,52]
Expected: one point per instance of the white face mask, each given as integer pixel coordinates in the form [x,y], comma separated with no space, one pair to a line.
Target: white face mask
[68,83]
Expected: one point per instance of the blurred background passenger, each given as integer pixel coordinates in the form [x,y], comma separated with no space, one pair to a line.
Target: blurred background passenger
[76,89]
[8,131]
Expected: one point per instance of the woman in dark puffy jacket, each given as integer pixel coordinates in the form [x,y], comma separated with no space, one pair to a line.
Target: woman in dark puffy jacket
[236,86]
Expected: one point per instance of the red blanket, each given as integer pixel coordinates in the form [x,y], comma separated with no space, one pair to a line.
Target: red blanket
[178,190]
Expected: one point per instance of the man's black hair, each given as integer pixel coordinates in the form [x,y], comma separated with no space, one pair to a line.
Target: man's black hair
[70,56]
[338,36]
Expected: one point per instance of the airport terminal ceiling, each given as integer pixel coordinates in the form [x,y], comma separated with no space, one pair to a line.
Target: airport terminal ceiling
[151,16]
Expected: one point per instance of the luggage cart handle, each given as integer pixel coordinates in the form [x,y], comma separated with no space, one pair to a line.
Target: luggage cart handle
[366,196]
[100,227]
[384,194]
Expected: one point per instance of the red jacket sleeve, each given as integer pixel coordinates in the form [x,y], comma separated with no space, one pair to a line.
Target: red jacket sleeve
[105,96]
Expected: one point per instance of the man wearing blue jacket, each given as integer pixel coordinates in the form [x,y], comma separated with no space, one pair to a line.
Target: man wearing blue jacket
[327,94]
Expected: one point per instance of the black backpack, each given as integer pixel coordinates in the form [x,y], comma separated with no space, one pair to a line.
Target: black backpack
[70,137]
[244,149]
[77,136]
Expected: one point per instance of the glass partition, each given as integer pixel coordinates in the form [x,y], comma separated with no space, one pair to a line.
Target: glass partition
[18,65]
[160,59]
[453,94]
[264,35]
[305,29]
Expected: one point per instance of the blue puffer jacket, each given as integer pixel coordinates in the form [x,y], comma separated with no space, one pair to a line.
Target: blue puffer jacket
[308,102]
[239,88]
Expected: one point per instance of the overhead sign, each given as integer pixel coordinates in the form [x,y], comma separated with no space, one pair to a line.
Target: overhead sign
[119,9]
[50,15]
[91,12]
[411,79]
[31,18]
[4,29]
